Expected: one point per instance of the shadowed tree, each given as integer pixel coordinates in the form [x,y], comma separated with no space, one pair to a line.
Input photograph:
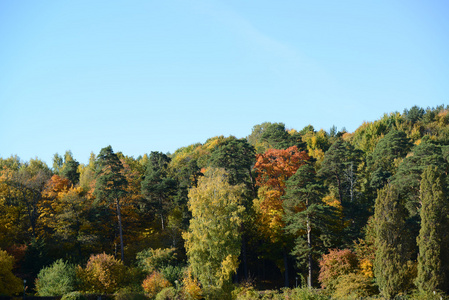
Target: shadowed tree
[158,187]
[111,184]
[305,216]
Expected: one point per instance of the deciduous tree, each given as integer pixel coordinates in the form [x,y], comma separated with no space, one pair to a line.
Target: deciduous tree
[213,239]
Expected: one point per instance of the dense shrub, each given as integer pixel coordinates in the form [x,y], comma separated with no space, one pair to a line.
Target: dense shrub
[56,280]
[354,286]
[173,273]
[9,283]
[168,293]
[154,283]
[156,259]
[103,274]
[335,264]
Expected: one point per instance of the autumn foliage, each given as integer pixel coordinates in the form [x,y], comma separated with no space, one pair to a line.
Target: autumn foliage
[335,264]
[274,168]
[103,274]
[155,283]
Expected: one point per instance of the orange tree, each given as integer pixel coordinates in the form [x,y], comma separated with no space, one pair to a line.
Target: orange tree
[274,168]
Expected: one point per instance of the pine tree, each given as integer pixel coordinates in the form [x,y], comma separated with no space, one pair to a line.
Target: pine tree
[392,242]
[432,239]
[305,215]
[111,184]
[158,187]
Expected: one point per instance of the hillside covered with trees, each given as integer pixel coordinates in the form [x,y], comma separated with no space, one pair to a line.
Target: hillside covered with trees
[338,214]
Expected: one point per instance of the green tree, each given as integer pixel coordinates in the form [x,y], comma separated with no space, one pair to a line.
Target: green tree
[213,239]
[273,135]
[392,242]
[339,169]
[237,157]
[57,163]
[158,187]
[70,171]
[57,279]
[411,168]
[305,216]
[433,241]
[381,163]
[111,184]
[414,114]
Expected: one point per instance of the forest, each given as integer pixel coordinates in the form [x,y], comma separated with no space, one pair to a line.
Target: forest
[280,214]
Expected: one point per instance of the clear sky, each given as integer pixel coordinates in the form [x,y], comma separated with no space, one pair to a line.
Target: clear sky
[148,75]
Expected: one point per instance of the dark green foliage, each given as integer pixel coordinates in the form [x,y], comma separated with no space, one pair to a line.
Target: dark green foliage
[56,280]
[414,114]
[433,241]
[276,136]
[36,257]
[339,169]
[392,243]
[409,172]
[237,157]
[273,135]
[111,184]
[158,187]
[305,217]
[70,171]
[393,146]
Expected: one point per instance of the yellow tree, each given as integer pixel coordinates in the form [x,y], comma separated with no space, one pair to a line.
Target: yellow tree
[213,239]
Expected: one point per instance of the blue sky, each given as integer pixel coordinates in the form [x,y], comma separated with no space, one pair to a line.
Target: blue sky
[148,76]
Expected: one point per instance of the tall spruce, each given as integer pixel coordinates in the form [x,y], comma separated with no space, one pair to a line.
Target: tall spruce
[305,216]
[391,243]
[158,187]
[433,239]
[111,184]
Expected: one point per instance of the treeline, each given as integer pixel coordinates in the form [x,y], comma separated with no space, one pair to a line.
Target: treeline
[357,214]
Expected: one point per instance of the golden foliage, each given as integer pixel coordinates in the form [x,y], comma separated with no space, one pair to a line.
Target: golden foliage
[103,274]
[155,283]
[191,288]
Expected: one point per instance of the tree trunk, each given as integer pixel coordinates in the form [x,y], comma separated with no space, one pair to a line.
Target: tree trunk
[286,281]
[119,217]
[309,246]
[340,192]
